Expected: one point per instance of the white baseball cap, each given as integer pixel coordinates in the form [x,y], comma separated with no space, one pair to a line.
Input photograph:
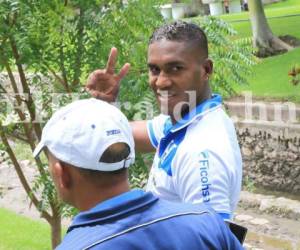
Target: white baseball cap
[80,132]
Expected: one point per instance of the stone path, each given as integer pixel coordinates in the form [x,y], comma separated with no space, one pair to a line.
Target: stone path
[269,232]
[273,222]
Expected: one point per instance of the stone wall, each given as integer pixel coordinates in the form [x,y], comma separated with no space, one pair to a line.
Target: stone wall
[271,161]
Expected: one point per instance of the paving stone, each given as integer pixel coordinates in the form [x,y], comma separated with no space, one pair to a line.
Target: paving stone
[247,246]
[25,163]
[259,221]
[243,217]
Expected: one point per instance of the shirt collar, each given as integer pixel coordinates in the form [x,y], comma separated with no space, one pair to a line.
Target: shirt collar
[117,200]
[113,208]
[108,204]
[203,108]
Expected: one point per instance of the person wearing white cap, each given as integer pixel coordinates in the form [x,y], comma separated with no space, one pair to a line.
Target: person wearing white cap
[90,147]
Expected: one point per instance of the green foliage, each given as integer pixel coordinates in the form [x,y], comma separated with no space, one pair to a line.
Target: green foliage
[3,155]
[248,184]
[48,194]
[58,44]
[132,43]
[46,185]
[232,58]
[139,172]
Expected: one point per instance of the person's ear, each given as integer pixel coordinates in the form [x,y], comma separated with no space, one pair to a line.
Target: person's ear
[63,175]
[208,68]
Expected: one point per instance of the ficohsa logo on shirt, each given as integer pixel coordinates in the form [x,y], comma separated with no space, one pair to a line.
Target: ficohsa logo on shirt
[204,175]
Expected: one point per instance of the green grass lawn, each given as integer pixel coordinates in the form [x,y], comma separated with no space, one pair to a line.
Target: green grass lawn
[283,18]
[20,233]
[284,4]
[283,8]
[279,26]
[270,78]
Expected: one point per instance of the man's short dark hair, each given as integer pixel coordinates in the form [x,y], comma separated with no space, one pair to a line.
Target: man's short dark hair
[114,153]
[180,31]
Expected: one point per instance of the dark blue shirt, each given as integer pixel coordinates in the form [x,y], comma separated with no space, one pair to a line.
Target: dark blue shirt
[138,220]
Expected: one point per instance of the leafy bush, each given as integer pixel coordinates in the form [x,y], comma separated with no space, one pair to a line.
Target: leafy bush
[232,58]
[50,47]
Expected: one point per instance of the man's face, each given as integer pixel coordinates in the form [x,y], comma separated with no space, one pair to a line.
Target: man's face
[177,73]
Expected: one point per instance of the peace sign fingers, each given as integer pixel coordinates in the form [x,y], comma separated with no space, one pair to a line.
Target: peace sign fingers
[104,83]
[123,72]
[112,60]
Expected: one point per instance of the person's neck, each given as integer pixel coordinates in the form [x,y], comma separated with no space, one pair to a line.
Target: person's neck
[90,197]
[206,96]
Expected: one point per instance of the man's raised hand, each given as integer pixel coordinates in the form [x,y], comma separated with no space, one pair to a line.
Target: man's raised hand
[104,84]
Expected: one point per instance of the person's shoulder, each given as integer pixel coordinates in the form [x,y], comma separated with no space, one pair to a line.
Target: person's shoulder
[214,118]
[209,129]
[87,236]
[78,238]
[160,117]
[201,215]
[185,208]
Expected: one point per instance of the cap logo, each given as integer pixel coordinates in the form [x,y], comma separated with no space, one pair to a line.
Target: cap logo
[113,132]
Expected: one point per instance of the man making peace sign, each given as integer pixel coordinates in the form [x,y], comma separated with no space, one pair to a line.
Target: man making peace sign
[197,154]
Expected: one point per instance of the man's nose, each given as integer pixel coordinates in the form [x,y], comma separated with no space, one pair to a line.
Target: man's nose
[163,81]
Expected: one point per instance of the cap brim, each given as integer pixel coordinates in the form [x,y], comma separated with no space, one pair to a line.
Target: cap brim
[38,149]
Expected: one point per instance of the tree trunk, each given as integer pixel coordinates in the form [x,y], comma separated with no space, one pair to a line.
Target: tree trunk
[263,38]
[55,225]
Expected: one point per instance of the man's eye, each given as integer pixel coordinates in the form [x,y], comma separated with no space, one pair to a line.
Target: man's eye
[176,68]
[154,70]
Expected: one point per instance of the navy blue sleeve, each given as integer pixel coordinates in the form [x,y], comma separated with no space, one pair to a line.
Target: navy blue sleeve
[230,241]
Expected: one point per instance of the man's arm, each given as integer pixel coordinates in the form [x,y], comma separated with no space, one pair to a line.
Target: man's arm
[203,177]
[141,137]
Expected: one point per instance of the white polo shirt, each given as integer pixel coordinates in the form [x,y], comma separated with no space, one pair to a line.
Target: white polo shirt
[198,159]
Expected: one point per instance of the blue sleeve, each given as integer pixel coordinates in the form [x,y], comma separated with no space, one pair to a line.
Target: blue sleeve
[156,129]
[151,134]
[230,241]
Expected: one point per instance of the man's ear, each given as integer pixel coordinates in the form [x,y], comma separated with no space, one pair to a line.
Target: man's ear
[208,67]
[62,174]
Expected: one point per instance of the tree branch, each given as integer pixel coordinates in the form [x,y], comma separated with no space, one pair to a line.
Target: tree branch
[80,47]
[57,77]
[62,59]
[27,129]
[29,102]
[21,115]
[19,137]
[3,89]
[21,175]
